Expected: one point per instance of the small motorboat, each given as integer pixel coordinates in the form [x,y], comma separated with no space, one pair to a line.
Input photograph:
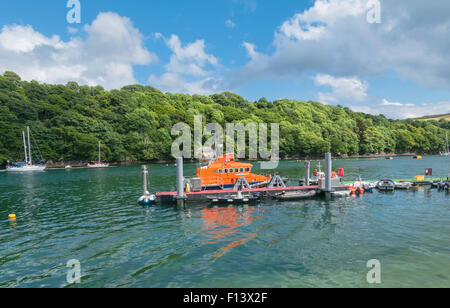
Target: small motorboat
[367,186]
[386,185]
[403,185]
[341,193]
[295,195]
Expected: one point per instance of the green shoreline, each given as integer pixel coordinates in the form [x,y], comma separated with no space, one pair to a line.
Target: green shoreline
[61,165]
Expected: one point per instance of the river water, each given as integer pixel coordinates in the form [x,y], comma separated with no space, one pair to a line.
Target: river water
[92,216]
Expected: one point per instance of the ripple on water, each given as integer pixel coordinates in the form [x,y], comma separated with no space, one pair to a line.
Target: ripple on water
[92,216]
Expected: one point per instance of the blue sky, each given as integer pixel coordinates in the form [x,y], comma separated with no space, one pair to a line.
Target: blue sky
[324,50]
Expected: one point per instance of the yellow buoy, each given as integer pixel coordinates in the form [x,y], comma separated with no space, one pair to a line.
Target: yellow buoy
[12,216]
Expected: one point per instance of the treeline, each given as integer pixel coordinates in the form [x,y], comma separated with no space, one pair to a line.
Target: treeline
[135,122]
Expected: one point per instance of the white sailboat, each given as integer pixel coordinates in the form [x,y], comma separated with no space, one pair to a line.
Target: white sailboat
[99,163]
[447,152]
[28,165]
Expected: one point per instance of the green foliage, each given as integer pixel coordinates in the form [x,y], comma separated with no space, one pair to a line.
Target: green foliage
[134,123]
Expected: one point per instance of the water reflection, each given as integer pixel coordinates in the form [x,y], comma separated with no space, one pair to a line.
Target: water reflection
[224,224]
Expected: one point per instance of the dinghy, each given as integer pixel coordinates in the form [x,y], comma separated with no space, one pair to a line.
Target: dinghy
[386,185]
[403,185]
[295,195]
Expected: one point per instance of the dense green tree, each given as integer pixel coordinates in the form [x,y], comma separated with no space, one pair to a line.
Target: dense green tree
[135,122]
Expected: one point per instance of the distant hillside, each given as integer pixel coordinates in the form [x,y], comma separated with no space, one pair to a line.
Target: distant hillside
[436,117]
[135,123]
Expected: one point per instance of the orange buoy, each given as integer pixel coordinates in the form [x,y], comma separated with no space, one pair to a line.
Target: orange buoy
[12,216]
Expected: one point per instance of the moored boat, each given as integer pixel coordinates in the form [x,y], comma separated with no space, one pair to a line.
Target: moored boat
[403,185]
[341,193]
[27,165]
[225,171]
[367,186]
[386,185]
[99,163]
[295,195]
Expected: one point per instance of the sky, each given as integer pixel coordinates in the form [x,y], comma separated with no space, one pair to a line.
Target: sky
[386,57]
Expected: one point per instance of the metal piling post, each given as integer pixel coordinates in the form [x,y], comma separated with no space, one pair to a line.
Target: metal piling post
[180,182]
[328,170]
[307,172]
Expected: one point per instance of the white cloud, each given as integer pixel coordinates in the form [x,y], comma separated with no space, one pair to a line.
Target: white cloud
[72,30]
[343,89]
[106,57]
[190,70]
[173,82]
[333,37]
[23,39]
[406,111]
[230,24]
[396,104]
[190,59]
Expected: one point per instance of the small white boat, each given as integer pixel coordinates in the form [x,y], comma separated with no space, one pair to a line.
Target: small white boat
[340,194]
[28,165]
[386,185]
[403,185]
[99,163]
[17,167]
[363,184]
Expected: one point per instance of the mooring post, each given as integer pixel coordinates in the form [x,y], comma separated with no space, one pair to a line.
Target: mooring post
[146,199]
[145,191]
[180,181]
[307,172]
[328,170]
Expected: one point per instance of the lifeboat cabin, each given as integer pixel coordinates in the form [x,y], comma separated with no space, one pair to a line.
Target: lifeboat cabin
[224,172]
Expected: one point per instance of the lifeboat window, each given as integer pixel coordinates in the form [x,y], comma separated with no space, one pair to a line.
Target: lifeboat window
[220,171]
[247,169]
[226,170]
[242,170]
[236,170]
[214,171]
[231,170]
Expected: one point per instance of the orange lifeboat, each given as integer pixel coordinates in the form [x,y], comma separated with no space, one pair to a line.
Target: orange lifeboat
[225,171]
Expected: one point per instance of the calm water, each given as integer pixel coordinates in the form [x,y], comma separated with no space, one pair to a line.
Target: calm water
[92,216]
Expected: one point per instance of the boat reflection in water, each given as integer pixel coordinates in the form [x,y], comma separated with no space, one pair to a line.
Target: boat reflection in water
[223,225]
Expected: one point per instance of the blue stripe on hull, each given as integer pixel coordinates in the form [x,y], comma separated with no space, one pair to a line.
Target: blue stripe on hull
[225,186]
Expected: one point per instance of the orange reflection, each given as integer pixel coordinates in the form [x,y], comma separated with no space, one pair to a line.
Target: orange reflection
[221,223]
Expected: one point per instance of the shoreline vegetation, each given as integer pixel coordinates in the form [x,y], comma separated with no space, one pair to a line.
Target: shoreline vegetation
[134,124]
[61,165]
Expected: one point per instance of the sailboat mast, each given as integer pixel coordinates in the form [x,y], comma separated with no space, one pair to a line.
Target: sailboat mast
[446,142]
[29,147]
[25,147]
